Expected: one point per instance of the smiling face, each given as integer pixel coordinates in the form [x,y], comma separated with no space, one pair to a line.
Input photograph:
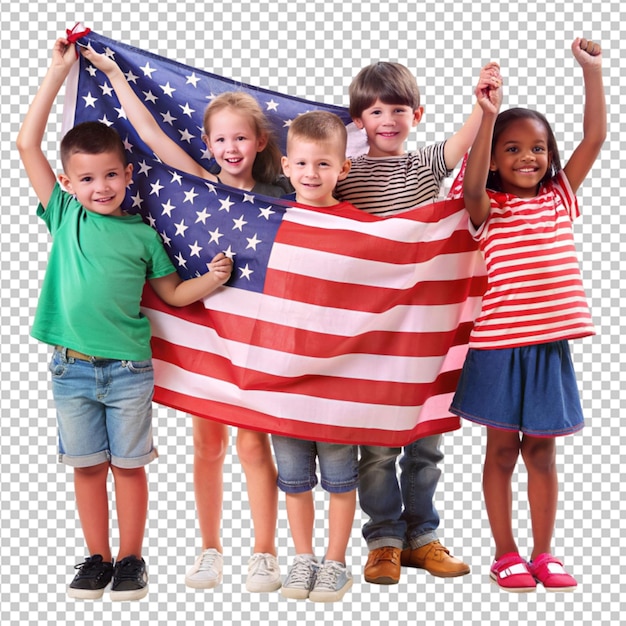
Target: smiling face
[235,143]
[387,127]
[98,181]
[521,157]
[314,167]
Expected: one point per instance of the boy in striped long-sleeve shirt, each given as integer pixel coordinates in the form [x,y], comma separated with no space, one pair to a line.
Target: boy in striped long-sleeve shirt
[385,102]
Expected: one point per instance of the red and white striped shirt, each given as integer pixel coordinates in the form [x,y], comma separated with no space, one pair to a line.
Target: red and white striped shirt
[535,292]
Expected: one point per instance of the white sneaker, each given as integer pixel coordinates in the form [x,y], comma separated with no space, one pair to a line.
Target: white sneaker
[263,573]
[206,572]
[301,577]
[332,581]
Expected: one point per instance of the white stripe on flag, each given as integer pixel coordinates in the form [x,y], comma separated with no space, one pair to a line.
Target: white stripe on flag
[404,319]
[275,362]
[291,406]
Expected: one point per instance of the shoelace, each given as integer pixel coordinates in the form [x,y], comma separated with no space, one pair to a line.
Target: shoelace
[90,563]
[128,569]
[327,575]
[387,554]
[301,572]
[438,549]
[208,561]
[261,564]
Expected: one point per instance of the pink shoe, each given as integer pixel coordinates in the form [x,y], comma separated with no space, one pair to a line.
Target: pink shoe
[510,572]
[551,574]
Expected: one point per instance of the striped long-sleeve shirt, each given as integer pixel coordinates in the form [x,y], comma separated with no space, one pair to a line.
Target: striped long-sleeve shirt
[388,185]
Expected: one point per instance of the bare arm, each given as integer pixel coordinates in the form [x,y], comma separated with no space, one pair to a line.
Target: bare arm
[144,123]
[178,292]
[459,143]
[477,168]
[33,127]
[589,56]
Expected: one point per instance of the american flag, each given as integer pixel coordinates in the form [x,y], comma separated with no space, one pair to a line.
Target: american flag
[336,325]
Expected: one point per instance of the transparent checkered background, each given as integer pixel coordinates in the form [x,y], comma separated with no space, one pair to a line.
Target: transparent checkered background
[313,49]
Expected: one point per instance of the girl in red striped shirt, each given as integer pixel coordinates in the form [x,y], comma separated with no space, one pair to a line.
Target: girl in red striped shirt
[518,378]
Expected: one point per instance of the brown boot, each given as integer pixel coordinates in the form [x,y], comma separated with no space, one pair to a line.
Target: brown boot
[383,566]
[435,559]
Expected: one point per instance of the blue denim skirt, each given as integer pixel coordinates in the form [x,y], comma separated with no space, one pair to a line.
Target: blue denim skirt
[531,389]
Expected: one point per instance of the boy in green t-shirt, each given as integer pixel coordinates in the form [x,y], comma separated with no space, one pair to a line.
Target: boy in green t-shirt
[89,309]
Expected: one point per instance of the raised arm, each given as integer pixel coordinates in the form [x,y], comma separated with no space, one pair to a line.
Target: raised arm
[459,143]
[477,168]
[589,56]
[177,292]
[30,136]
[144,123]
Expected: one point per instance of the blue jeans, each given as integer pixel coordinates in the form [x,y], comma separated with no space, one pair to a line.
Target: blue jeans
[402,514]
[104,411]
[297,459]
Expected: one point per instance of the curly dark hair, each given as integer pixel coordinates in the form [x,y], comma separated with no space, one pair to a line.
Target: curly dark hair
[502,122]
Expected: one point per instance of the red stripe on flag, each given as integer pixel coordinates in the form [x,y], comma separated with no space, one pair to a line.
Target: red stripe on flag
[324,292]
[367,391]
[255,420]
[427,213]
[239,328]
[374,248]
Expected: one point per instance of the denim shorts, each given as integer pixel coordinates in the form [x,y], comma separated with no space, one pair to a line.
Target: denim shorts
[531,389]
[296,461]
[104,411]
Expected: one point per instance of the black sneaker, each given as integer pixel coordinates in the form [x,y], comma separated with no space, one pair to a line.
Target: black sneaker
[93,576]
[130,579]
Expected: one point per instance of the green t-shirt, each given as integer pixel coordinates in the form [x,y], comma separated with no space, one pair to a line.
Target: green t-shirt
[96,272]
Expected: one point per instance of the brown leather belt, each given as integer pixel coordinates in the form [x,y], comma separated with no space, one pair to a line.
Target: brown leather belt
[74,354]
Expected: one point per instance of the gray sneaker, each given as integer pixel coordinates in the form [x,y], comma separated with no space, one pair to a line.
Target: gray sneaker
[300,577]
[263,573]
[332,581]
[206,572]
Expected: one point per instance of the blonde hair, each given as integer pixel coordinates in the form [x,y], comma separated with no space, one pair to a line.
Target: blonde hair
[319,126]
[266,168]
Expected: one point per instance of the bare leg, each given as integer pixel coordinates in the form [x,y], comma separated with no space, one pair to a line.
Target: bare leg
[255,455]
[540,459]
[92,502]
[210,442]
[340,519]
[131,497]
[500,461]
[301,516]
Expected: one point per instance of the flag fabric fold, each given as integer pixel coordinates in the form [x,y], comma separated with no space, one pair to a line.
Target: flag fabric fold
[336,325]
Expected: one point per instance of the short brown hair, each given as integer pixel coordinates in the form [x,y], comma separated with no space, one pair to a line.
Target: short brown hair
[91,138]
[391,83]
[319,126]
